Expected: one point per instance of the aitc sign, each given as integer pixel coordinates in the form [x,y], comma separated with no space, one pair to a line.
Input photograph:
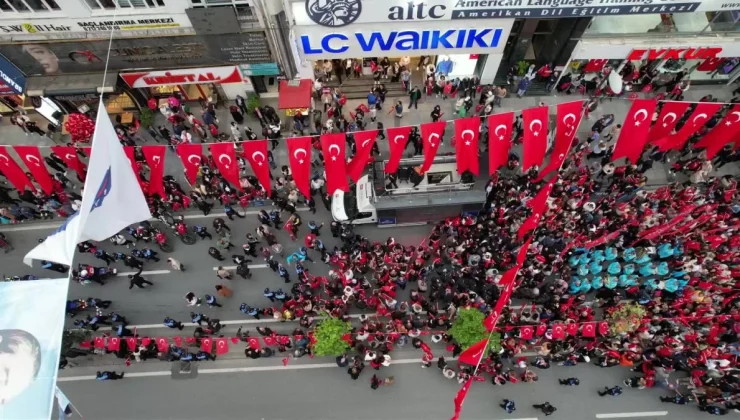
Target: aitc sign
[675,53]
[337,43]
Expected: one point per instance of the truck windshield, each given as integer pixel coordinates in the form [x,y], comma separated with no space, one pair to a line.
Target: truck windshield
[350,203]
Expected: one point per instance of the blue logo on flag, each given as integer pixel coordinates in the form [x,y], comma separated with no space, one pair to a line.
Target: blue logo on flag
[103,191]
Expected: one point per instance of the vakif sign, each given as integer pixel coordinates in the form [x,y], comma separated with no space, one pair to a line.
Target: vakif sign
[415,38]
[335,14]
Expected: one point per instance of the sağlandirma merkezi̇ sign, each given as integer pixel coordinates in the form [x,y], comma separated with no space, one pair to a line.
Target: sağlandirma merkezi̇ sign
[488,9]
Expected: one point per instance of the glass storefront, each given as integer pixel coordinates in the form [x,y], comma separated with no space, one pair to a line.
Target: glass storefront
[727,21]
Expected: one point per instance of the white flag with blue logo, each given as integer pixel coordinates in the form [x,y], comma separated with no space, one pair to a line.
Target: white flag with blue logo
[111,201]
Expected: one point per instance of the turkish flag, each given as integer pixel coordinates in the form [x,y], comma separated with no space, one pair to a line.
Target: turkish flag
[499,140]
[335,161]
[270,341]
[31,156]
[540,330]
[155,159]
[558,332]
[225,159]
[595,65]
[299,156]
[13,172]
[191,156]
[86,344]
[473,354]
[131,343]
[589,330]
[529,225]
[725,132]
[569,119]
[460,398]
[146,341]
[571,329]
[99,342]
[162,344]
[235,340]
[604,328]
[285,361]
[114,344]
[190,340]
[254,343]
[283,339]
[539,203]
[129,150]
[467,131]
[491,320]
[222,346]
[526,333]
[364,141]
[206,344]
[635,130]
[535,136]
[431,136]
[177,340]
[703,112]
[509,276]
[667,120]
[398,137]
[69,155]
[522,254]
[255,152]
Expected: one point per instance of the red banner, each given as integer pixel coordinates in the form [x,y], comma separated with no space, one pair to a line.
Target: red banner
[558,332]
[270,341]
[473,353]
[114,344]
[224,158]
[460,398]
[539,203]
[467,132]
[206,344]
[604,328]
[13,172]
[635,129]
[703,112]
[526,333]
[667,120]
[522,254]
[535,136]
[177,340]
[364,141]
[299,156]
[254,343]
[335,161]
[99,342]
[129,150]
[191,156]
[69,155]
[499,140]
[31,156]
[397,139]
[163,344]
[725,132]
[255,152]
[569,119]
[529,225]
[431,135]
[131,343]
[222,346]
[589,330]
[603,239]
[571,329]
[154,156]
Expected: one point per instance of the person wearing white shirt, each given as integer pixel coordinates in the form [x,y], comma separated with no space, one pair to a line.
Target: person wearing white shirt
[186,137]
[235,132]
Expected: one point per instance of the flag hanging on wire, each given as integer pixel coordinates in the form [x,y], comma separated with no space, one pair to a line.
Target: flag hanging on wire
[112,199]
[65,407]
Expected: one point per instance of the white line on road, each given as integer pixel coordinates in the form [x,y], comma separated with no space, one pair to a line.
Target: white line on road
[143,273]
[229,322]
[631,415]
[233,267]
[236,370]
[54,225]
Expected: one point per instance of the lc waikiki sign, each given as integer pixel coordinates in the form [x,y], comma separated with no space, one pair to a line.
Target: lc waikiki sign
[416,38]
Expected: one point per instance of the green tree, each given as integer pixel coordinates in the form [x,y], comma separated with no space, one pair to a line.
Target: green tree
[72,338]
[328,335]
[468,329]
[626,318]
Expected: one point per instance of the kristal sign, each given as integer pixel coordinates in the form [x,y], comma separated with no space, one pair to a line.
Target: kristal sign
[416,38]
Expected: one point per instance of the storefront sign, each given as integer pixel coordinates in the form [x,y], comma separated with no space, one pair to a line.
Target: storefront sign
[128,53]
[11,78]
[675,53]
[228,74]
[267,69]
[417,38]
[336,14]
[131,23]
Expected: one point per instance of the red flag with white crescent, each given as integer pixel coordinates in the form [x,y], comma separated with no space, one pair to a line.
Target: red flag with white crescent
[589,330]
[604,328]
[222,346]
[635,128]
[526,333]
[703,112]
[254,343]
[460,398]
[569,118]
[155,159]
[206,344]
[99,342]
[299,156]
[467,132]
[335,161]
[191,156]
[13,172]
[499,140]
[131,343]
[255,152]
[725,132]
[558,332]
[529,224]
[31,156]
[364,141]
[667,120]
[535,124]
[431,136]
[162,344]
[225,159]
[114,344]
[474,353]
[69,155]
[398,137]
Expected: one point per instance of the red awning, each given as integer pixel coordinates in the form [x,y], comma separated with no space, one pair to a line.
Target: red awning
[298,96]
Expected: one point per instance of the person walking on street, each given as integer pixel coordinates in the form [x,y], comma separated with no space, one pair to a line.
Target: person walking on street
[569,381]
[138,281]
[414,97]
[104,256]
[509,406]
[171,323]
[107,375]
[202,231]
[215,253]
[211,301]
[613,391]
[223,273]
[175,264]
[546,408]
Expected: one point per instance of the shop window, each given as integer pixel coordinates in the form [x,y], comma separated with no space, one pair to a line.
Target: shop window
[5,7]
[123,4]
[18,5]
[37,5]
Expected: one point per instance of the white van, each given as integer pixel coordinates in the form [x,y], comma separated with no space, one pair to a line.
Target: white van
[355,206]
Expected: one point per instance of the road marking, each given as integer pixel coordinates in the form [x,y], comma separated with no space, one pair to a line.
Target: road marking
[54,225]
[237,370]
[230,322]
[630,415]
[152,272]
[233,267]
